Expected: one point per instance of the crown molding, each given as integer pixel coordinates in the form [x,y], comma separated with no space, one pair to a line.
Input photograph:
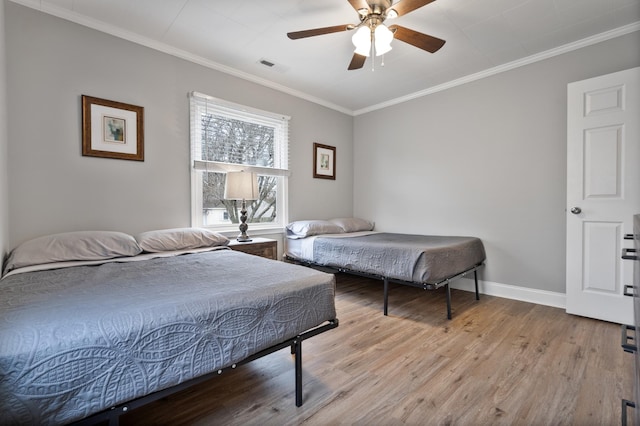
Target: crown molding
[165,48]
[627,29]
[68,15]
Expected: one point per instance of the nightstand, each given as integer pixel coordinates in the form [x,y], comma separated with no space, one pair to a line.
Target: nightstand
[263,247]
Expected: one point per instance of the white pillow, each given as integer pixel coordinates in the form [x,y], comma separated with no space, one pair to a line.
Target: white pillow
[353,224]
[179,239]
[68,246]
[308,228]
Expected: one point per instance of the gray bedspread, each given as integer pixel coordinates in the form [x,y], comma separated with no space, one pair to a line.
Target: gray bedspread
[413,258]
[79,340]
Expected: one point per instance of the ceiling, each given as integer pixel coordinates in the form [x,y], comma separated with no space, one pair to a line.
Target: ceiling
[483,36]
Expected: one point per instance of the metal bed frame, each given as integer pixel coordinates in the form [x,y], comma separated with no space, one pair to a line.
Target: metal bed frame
[112,415]
[386,280]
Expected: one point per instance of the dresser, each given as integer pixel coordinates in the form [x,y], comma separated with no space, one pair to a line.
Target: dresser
[631,333]
[263,247]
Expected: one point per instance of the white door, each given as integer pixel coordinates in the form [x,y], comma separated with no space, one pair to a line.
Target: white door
[603,193]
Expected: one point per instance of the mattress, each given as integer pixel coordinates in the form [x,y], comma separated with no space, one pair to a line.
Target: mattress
[76,341]
[405,257]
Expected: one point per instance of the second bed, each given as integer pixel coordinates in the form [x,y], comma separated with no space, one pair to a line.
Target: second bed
[349,245]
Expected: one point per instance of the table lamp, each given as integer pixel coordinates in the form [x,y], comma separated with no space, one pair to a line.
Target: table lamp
[241,186]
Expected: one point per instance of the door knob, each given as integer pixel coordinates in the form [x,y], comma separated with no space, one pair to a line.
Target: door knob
[576,210]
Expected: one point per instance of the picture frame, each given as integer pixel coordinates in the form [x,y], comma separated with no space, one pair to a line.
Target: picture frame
[112,129]
[324,161]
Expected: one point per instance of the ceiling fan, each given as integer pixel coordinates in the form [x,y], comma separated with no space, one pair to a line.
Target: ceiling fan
[372,35]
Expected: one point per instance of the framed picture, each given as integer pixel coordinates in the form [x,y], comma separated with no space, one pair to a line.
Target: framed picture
[112,129]
[324,161]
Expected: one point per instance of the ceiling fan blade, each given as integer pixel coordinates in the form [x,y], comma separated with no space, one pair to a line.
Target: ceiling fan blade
[405,6]
[419,40]
[319,31]
[357,61]
[359,4]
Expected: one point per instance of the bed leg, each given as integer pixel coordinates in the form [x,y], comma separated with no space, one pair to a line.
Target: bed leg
[448,301]
[475,275]
[386,296]
[298,360]
[115,420]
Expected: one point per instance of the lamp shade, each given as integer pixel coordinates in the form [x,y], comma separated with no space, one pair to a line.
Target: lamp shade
[241,186]
[362,41]
[383,37]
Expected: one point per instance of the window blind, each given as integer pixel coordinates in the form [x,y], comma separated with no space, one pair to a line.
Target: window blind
[230,137]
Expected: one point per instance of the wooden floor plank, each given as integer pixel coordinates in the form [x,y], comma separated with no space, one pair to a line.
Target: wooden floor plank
[498,361]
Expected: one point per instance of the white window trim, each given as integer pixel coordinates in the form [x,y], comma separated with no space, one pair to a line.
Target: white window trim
[197,165]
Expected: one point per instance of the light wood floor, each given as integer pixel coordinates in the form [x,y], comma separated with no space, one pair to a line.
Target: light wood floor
[497,362]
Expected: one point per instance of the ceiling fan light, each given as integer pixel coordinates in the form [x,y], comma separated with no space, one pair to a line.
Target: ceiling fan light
[391,14]
[362,41]
[383,37]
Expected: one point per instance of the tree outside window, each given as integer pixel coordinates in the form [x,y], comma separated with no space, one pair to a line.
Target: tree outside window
[223,141]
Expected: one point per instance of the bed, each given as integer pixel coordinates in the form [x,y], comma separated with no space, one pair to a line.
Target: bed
[351,245]
[93,324]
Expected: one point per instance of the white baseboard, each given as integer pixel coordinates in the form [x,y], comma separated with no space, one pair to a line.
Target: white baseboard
[541,297]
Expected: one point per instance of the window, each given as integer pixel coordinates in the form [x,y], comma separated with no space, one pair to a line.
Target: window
[229,137]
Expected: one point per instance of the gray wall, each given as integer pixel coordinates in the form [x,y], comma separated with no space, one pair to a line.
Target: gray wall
[52,62]
[487,158]
[4,202]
